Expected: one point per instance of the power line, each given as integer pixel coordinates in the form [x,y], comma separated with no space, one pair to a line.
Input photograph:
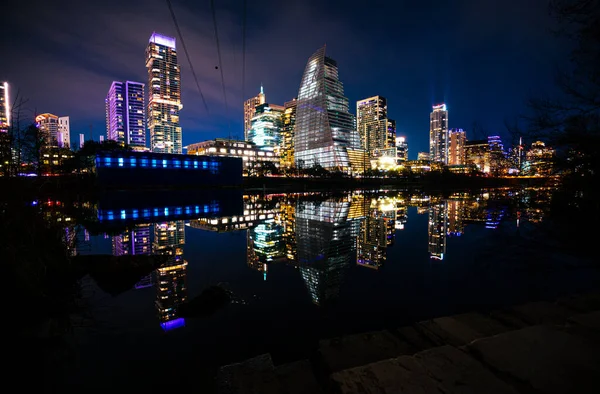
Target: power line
[214,15]
[186,52]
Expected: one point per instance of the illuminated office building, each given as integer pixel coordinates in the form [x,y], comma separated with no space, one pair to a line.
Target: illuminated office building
[126,114]
[251,154]
[456,149]
[133,242]
[326,234]
[48,126]
[288,120]
[391,133]
[477,154]
[497,156]
[401,149]
[539,160]
[437,229]
[287,214]
[250,109]
[4,107]
[372,124]
[438,134]
[264,245]
[171,281]
[266,125]
[164,95]
[325,132]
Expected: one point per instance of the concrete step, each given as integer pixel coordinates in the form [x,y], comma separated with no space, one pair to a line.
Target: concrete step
[360,349]
[297,378]
[444,369]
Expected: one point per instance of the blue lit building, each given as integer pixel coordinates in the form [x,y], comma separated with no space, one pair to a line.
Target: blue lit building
[127,169]
[266,127]
[126,114]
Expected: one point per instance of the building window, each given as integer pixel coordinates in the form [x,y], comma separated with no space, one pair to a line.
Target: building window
[121,162]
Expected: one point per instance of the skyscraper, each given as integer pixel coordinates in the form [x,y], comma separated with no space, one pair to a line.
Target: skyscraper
[401,149]
[371,123]
[130,242]
[64,132]
[48,126]
[438,134]
[391,133]
[288,120]
[4,107]
[456,149]
[325,133]
[126,114]
[266,126]
[164,95]
[250,108]
[437,229]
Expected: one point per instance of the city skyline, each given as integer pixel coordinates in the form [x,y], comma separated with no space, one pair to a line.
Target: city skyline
[411,89]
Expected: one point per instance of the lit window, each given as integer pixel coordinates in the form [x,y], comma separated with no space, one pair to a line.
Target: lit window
[121,162]
[154,163]
[164,162]
[132,161]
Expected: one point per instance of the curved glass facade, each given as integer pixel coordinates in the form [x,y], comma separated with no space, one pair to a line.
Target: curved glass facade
[325,131]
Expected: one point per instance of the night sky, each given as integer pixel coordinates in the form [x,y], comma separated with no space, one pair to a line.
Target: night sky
[483,58]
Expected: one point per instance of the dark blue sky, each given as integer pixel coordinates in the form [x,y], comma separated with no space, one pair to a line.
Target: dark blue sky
[484,58]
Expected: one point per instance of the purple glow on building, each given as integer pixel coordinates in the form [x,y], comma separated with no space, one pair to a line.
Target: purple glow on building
[163,40]
[173,324]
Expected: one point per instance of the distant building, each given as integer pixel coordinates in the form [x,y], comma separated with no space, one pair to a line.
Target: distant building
[391,133]
[250,109]
[477,154]
[136,241]
[265,131]
[401,149]
[539,160]
[438,134]
[126,114]
[423,156]
[325,133]
[64,132]
[288,119]
[48,126]
[250,154]
[164,95]
[101,138]
[437,230]
[371,123]
[497,156]
[456,151]
[4,107]
[81,140]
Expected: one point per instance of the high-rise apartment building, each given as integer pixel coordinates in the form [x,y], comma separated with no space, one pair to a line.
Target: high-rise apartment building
[48,126]
[250,109]
[136,241]
[372,123]
[81,140]
[288,120]
[438,134]
[391,133]
[456,149]
[4,107]
[477,154]
[266,126]
[325,133]
[64,132]
[401,149]
[126,114]
[164,95]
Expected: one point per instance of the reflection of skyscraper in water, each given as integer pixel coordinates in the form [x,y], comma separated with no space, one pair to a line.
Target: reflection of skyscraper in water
[456,214]
[377,233]
[437,229]
[135,241]
[287,218]
[326,233]
[171,286]
[264,245]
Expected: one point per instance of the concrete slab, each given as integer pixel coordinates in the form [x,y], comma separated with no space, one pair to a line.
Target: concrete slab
[448,330]
[253,376]
[544,358]
[459,373]
[508,318]
[482,324]
[414,337]
[297,378]
[542,312]
[399,375]
[589,320]
[581,302]
[354,350]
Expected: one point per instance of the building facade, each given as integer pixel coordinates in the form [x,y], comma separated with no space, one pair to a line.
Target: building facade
[48,126]
[477,154]
[164,95]
[250,109]
[438,134]
[251,155]
[401,149]
[64,132]
[126,114]
[288,120]
[391,133]
[4,107]
[372,123]
[456,149]
[324,133]
[267,124]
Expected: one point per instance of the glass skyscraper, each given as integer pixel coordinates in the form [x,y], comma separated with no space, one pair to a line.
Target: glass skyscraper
[324,132]
[266,126]
[288,120]
[164,95]
[371,123]
[126,114]
[250,109]
[438,134]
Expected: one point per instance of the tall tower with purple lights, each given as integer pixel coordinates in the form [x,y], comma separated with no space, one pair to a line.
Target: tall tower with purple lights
[164,95]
